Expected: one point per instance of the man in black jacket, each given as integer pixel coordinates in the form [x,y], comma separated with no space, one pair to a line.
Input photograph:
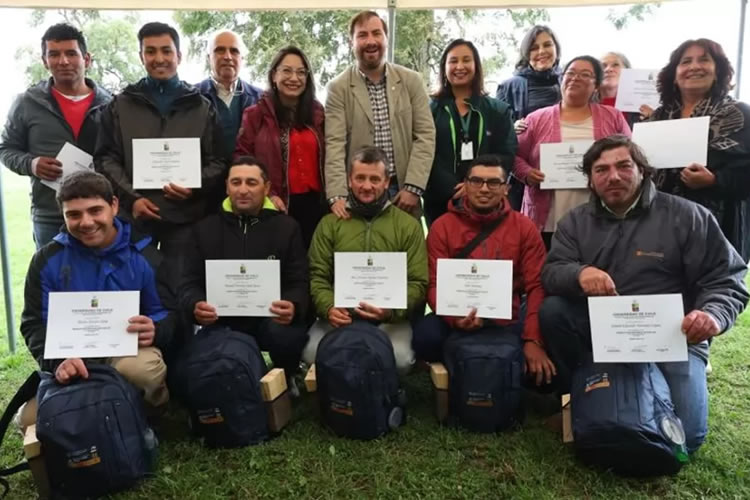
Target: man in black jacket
[160,106]
[631,239]
[249,227]
[62,109]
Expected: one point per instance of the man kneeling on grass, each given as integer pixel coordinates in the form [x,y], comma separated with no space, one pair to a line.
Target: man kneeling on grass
[630,239]
[97,252]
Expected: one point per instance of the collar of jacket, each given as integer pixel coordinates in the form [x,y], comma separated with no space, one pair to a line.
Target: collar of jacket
[185,93]
[125,237]
[42,93]
[461,208]
[648,194]
[226,206]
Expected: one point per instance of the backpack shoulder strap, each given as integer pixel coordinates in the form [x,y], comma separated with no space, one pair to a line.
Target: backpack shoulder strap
[479,238]
[25,392]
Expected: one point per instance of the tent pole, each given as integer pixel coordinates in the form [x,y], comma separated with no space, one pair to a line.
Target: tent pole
[392,29]
[740,48]
[9,318]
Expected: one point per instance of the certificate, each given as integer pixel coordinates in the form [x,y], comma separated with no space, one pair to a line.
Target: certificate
[463,284]
[91,324]
[637,328]
[243,287]
[560,163]
[673,143]
[157,162]
[636,88]
[73,160]
[378,278]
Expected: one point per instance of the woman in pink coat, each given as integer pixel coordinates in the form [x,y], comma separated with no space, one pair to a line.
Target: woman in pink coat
[576,118]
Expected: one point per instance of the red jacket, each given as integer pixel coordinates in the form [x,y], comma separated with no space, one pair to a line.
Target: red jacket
[516,239]
[260,136]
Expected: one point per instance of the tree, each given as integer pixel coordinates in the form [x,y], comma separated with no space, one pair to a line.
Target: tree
[323,35]
[112,43]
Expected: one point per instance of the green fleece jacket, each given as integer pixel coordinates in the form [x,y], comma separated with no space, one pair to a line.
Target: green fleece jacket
[393,230]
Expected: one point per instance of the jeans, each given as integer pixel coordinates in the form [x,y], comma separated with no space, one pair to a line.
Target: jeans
[567,336]
[43,232]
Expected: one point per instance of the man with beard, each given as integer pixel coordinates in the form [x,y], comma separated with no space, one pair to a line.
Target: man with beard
[373,224]
[631,239]
[63,109]
[249,227]
[160,106]
[227,92]
[97,251]
[512,236]
[378,104]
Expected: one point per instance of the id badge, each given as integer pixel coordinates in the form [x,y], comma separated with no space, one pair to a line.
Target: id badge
[467,151]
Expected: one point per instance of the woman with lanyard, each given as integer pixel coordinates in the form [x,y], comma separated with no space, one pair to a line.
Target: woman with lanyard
[468,123]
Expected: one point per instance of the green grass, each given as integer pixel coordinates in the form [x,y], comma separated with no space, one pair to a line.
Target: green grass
[422,460]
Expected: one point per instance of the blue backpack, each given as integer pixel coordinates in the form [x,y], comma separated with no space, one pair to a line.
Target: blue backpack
[624,420]
[94,433]
[358,388]
[217,376]
[485,372]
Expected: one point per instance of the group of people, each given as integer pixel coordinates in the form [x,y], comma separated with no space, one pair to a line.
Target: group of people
[380,154]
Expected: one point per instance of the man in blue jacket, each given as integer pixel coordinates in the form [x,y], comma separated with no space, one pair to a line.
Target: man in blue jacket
[97,252]
[229,94]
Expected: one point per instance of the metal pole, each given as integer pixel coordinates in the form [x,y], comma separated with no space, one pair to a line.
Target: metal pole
[392,29]
[9,318]
[741,47]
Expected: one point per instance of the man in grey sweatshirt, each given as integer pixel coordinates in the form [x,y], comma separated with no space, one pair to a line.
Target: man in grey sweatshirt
[630,239]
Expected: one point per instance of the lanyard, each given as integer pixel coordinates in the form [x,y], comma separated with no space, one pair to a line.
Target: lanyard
[465,126]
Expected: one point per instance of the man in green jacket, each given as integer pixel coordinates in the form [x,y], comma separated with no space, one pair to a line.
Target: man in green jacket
[373,225]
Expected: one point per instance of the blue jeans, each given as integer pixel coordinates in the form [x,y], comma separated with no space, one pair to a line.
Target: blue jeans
[43,232]
[567,337]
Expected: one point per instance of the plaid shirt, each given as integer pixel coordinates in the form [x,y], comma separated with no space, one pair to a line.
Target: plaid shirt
[379,102]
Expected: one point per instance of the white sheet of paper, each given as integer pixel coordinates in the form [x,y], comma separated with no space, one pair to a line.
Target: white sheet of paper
[91,324]
[157,162]
[637,328]
[73,160]
[637,87]
[463,284]
[560,161]
[378,278]
[673,143]
[243,287]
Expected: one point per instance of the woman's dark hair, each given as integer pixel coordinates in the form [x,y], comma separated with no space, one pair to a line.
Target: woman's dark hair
[528,41]
[666,85]
[598,71]
[303,116]
[477,84]
[613,142]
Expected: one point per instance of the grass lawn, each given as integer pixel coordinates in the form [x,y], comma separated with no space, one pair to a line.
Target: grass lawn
[422,460]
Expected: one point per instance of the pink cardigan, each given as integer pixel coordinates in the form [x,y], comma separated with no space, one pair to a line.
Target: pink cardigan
[544,127]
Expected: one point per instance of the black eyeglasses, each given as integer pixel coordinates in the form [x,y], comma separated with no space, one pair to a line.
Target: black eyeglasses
[492,184]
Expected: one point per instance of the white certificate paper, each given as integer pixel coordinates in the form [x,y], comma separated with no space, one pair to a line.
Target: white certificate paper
[673,143]
[157,162]
[463,284]
[91,324]
[243,287]
[637,328]
[560,163]
[637,87]
[73,160]
[378,278]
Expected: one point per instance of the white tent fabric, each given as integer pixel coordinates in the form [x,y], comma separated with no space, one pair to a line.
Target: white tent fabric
[299,4]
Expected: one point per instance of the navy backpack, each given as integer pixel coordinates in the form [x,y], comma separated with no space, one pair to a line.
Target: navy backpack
[624,420]
[357,382]
[485,371]
[217,376]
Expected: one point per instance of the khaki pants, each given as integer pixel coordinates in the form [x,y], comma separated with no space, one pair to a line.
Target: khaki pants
[146,370]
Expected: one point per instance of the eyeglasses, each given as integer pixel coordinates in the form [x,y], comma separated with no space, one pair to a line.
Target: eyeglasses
[572,75]
[287,72]
[492,184]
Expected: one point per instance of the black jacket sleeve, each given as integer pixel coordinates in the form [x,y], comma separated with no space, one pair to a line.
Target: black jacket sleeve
[14,143]
[295,283]
[192,288]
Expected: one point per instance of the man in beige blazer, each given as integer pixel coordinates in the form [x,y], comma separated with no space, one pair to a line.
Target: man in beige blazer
[375,103]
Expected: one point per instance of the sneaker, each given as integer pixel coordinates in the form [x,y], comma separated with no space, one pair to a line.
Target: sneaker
[291,384]
[709,368]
